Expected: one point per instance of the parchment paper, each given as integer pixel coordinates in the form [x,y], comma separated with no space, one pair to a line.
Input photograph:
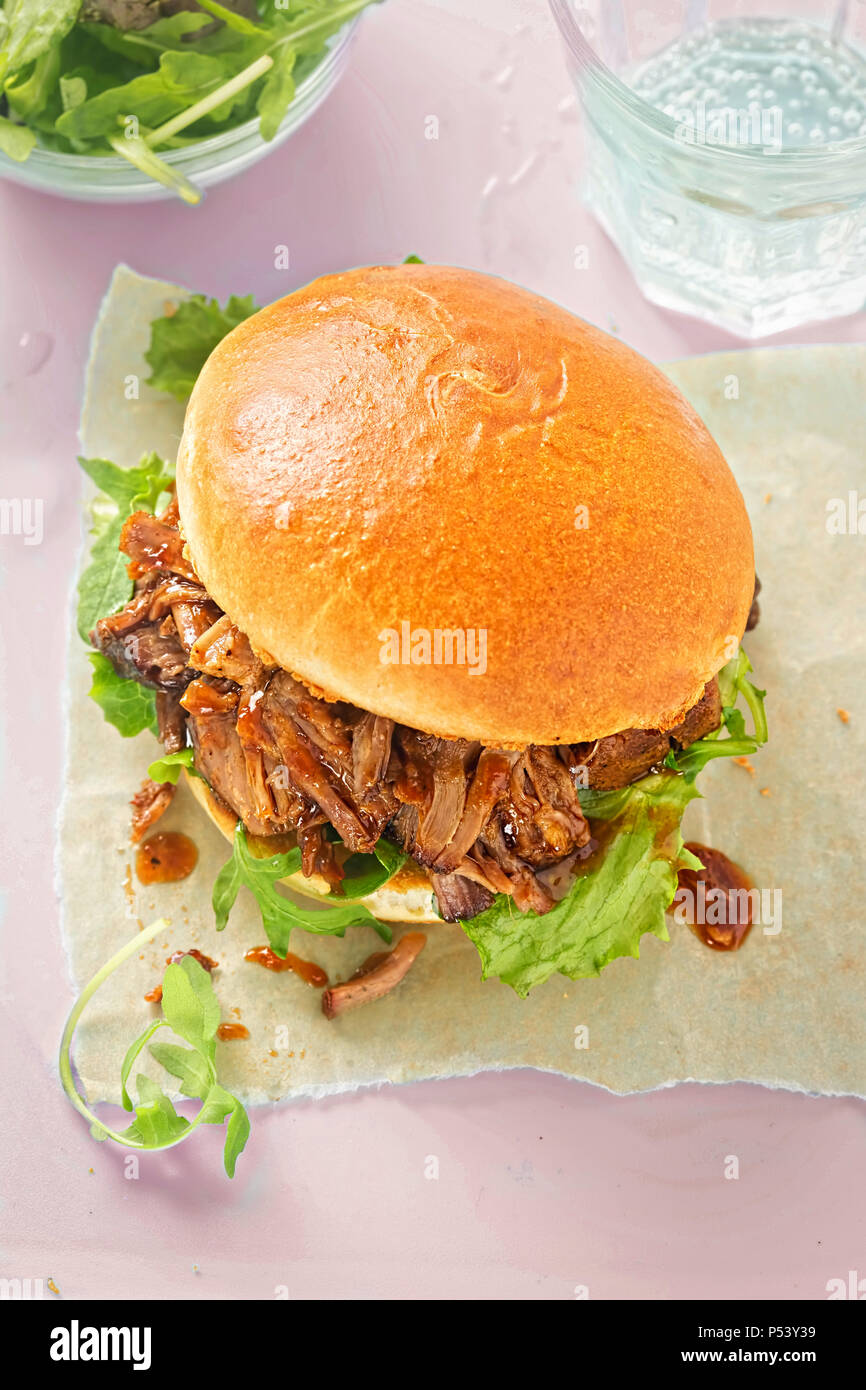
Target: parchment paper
[786,1010]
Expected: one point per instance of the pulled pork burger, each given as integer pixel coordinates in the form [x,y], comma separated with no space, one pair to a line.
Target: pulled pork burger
[443,618]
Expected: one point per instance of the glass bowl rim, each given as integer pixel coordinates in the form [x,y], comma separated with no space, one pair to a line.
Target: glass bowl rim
[579,48]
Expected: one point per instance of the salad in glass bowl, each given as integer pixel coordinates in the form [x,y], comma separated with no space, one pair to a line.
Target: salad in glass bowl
[136,99]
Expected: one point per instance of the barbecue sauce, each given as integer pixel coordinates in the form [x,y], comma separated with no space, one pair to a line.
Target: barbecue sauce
[165,858]
[310,973]
[735,914]
[231,1032]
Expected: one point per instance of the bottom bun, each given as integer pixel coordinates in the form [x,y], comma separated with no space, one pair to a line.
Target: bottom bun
[407,897]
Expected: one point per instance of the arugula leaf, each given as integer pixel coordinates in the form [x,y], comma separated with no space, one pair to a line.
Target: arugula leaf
[30,27]
[280,915]
[105,586]
[620,893]
[413,260]
[238,22]
[143,47]
[29,93]
[237,1132]
[187,1065]
[181,343]
[169,767]
[139,153]
[15,140]
[152,98]
[191,1010]
[157,1124]
[132,1054]
[189,1004]
[277,93]
[365,873]
[124,703]
[733,683]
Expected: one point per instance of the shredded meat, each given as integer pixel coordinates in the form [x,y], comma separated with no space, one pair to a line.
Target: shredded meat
[460,898]
[755,610]
[148,804]
[480,821]
[381,973]
[152,542]
[171,721]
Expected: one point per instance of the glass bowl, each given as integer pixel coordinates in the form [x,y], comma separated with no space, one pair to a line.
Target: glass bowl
[111,179]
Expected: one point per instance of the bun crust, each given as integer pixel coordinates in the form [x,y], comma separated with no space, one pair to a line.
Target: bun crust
[407,898]
[431,446]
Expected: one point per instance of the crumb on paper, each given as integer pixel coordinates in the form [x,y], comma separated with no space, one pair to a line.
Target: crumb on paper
[843,715]
[747,764]
[767,496]
[765,791]
[52,1286]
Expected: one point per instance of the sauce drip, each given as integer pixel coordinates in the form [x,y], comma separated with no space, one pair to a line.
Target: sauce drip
[309,972]
[723,923]
[165,858]
[208,964]
[230,1032]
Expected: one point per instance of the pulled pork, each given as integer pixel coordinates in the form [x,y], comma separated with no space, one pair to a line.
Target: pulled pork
[480,821]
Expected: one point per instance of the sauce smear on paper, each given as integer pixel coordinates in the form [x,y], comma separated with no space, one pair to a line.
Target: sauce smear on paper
[166,858]
[729,908]
[308,971]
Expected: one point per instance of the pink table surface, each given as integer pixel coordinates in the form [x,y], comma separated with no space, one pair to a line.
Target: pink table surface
[544,1184]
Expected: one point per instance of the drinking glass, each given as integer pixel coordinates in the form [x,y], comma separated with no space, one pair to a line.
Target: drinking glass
[726,151]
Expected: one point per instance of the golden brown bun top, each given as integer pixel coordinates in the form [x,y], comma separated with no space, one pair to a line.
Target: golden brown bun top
[430,446]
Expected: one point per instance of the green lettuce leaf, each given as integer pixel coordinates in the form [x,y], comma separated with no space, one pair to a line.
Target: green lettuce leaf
[169,767]
[181,343]
[621,892]
[105,586]
[130,707]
